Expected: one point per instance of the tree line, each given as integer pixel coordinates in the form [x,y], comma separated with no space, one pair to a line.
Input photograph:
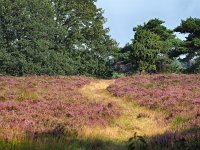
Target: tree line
[53,37]
[68,37]
[156,49]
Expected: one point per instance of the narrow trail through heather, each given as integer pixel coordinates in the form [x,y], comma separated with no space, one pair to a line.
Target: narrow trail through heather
[133,118]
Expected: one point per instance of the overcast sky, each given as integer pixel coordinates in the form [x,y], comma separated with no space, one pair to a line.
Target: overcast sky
[123,15]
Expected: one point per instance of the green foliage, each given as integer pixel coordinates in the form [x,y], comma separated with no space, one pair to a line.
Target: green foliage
[155,26]
[116,75]
[51,37]
[178,121]
[174,67]
[166,65]
[124,53]
[191,46]
[195,67]
[152,48]
[145,48]
[137,142]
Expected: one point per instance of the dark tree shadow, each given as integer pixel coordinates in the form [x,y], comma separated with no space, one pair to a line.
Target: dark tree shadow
[183,140]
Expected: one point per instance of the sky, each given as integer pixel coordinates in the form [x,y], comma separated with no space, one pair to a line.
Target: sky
[123,15]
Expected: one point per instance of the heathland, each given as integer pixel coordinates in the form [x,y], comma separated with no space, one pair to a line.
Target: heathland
[65,83]
[136,112]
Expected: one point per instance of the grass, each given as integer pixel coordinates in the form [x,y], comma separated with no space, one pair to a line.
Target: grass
[124,127]
[24,94]
[42,144]
[62,144]
[178,122]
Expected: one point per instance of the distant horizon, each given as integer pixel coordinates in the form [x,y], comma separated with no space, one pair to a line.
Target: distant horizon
[123,15]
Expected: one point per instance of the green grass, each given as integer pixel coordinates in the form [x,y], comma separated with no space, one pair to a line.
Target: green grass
[50,144]
[179,121]
[61,144]
[24,94]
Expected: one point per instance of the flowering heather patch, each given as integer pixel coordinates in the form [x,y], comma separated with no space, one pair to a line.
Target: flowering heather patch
[46,88]
[39,116]
[33,106]
[178,95]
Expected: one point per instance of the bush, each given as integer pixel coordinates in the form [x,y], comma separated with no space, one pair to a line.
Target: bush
[117,75]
